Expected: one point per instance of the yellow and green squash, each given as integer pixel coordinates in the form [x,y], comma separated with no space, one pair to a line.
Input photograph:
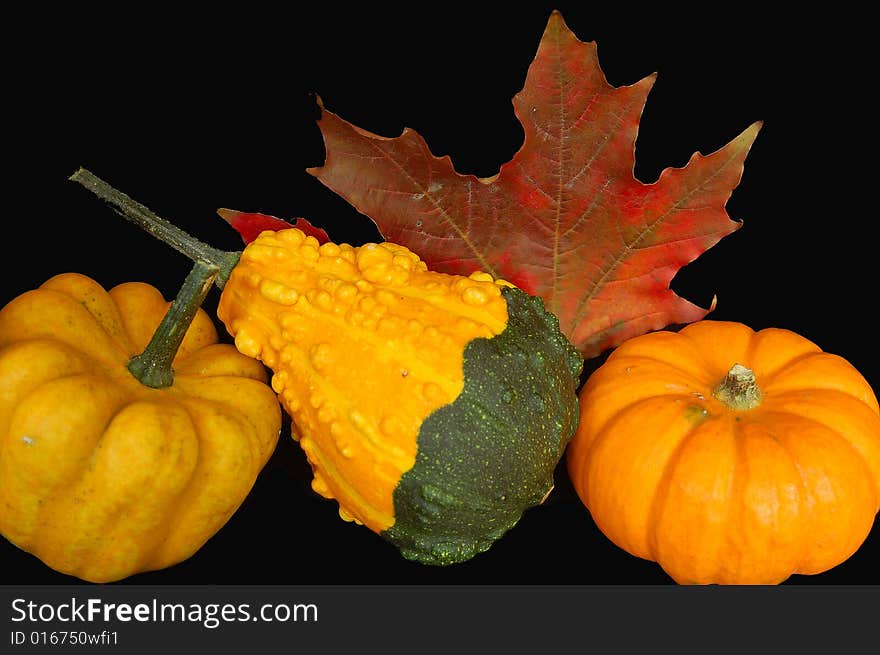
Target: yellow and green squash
[434,408]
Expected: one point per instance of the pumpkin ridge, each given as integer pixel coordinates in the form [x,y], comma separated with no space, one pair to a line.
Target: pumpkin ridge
[178,507]
[584,453]
[198,365]
[98,376]
[610,431]
[685,397]
[644,348]
[141,307]
[806,497]
[808,501]
[796,393]
[697,346]
[154,557]
[767,432]
[70,283]
[41,525]
[735,499]
[836,437]
[696,382]
[39,536]
[35,298]
[162,528]
[226,410]
[598,382]
[661,492]
[845,372]
[767,379]
[827,390]
[88,361]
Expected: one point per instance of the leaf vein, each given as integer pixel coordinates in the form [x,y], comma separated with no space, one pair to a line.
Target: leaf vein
[648,229]
[462,234]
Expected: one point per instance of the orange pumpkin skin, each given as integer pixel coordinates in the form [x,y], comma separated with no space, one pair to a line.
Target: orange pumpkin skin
[673,474]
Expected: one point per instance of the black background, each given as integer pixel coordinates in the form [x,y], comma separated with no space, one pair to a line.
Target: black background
[188,113]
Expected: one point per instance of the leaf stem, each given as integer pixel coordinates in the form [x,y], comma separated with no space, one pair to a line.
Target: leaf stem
[159,227]
[153,366]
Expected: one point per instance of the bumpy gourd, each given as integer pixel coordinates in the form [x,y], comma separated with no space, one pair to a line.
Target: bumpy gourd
[727,455]
[101,476]
[434,408]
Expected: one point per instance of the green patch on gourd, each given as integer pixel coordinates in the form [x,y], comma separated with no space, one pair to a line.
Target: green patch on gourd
[489,455]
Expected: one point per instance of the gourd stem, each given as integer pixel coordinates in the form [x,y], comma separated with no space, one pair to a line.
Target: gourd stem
[159,227]
[739,389]
[153,366]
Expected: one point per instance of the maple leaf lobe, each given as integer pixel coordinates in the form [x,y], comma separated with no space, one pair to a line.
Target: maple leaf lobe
[565,218]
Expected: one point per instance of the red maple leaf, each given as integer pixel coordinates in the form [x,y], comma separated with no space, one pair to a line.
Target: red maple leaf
[565,218]
[249,225]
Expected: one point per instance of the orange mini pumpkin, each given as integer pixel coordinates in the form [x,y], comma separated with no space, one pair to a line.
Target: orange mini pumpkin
[729,456]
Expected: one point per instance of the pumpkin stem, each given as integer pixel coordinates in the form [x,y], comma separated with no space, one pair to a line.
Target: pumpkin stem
[159,227]
[153,366]
[739,389]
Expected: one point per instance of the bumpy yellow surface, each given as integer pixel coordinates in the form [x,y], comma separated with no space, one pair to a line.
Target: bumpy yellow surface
[365,343]
[100,476]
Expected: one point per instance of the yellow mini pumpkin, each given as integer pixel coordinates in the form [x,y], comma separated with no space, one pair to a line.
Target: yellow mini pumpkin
[727,455]
[102,476]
